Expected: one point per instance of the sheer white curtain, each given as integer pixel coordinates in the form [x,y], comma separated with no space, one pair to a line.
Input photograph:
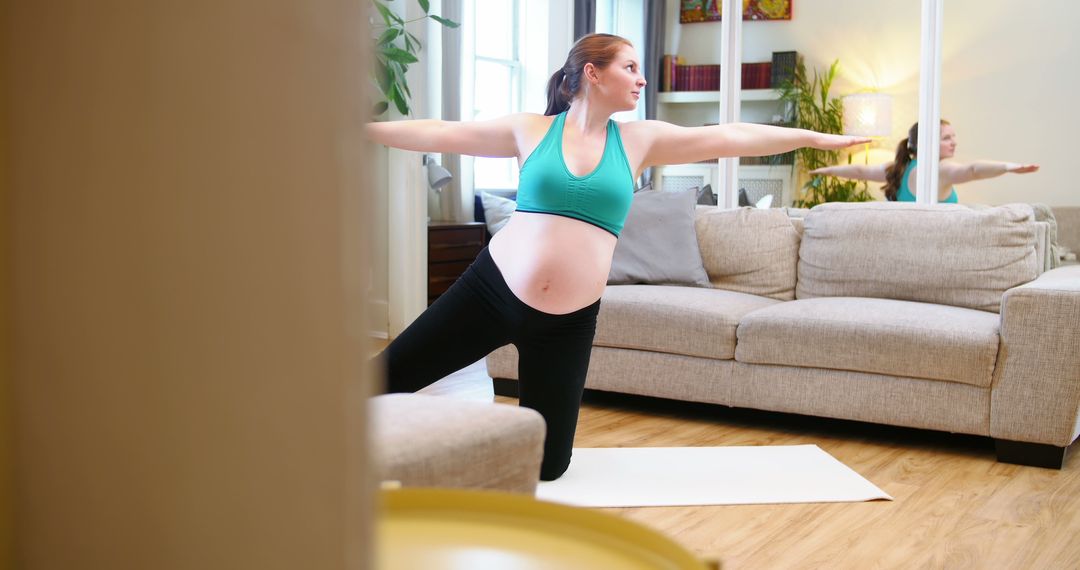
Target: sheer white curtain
[452,204]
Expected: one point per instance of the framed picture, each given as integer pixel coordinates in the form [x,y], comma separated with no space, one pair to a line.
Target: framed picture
[691,11]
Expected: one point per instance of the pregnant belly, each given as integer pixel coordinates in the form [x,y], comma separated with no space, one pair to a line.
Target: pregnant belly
[553,263]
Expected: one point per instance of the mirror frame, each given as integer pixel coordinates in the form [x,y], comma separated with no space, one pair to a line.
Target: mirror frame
[932,21]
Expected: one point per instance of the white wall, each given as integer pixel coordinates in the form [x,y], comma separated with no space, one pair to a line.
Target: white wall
[378,271]
[1009,85]
[1007,76]
[399,269]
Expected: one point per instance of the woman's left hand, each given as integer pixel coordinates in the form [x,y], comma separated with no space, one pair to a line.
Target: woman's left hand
[1022,168]
[825,141]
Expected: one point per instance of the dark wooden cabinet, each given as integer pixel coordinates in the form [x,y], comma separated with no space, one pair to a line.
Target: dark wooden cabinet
[451,248]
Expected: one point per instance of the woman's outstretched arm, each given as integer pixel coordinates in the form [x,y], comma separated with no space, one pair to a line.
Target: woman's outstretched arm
[494,138]
[957,172]
[671,144]
[872,172]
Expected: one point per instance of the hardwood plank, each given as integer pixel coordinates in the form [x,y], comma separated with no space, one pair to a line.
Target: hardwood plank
[955,506]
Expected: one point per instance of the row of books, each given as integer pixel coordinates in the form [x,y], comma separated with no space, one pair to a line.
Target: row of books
[675,75]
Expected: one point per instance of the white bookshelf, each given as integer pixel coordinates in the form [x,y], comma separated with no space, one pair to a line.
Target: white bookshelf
[694,108]
[714,96]
[757,179]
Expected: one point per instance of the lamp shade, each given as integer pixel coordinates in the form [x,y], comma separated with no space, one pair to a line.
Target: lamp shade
[437,175]
[868,115]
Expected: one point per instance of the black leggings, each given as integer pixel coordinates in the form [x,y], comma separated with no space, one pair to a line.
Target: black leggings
[480,313]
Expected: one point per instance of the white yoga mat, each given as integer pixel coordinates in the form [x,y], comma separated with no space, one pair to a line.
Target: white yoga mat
[669,476]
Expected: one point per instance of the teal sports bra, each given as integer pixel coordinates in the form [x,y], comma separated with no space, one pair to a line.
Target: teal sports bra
[904,194]
[601,198]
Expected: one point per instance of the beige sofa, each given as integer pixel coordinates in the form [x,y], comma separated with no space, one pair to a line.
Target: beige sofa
[938,317]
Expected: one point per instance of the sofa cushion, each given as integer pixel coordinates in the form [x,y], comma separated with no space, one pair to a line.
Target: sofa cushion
[749,250]
[884,336]
[942,253]
[677,320]
[657,244]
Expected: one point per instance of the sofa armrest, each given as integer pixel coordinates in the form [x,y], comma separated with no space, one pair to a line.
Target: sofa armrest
[1036,390]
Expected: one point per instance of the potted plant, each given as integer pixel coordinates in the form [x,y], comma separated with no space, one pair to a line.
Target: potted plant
[816,111]
[395,49]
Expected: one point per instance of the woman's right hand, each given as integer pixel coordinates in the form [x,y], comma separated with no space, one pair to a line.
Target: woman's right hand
[826,141]
[823,171]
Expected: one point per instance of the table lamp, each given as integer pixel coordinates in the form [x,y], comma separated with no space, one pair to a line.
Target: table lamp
[868,115]
[437,176]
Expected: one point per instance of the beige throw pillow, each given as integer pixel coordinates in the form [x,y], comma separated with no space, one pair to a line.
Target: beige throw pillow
[942,253]
[749,250]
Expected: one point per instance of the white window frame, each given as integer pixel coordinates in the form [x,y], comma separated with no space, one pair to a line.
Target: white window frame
[730,98]
[517,87]
[625,18]
[926,183]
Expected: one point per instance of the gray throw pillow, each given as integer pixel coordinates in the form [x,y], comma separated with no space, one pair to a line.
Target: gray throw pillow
[705,196]
[497,211]
[658,243]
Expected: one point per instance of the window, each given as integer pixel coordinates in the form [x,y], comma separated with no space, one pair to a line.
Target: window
[625,18]
[497,81]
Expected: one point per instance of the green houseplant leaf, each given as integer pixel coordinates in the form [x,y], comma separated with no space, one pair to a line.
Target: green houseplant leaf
[445,22]
[398,99]
[388,16]
[395,49]
[388,36]
[816,111]
[399,55]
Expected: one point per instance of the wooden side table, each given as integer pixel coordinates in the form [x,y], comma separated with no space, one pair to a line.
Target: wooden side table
[451,248]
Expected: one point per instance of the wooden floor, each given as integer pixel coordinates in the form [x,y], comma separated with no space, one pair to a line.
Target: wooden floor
[954,507]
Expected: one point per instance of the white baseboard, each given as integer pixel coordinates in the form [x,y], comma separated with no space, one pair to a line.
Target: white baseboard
[379,323]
